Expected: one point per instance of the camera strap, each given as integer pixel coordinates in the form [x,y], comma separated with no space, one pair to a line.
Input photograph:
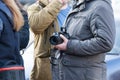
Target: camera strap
[54,26]
[63,29]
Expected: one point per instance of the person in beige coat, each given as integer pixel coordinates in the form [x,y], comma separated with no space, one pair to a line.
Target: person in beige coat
[42,17]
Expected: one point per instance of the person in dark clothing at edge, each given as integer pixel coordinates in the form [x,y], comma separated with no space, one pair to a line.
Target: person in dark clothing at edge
[11,21]
[24,31]
[91,28]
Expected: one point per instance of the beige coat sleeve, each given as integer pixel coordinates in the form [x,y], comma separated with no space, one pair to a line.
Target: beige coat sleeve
[40,19]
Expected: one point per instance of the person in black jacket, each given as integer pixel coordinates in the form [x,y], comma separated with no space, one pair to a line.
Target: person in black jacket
[11,21]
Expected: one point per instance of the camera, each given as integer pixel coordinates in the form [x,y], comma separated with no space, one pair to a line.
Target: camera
[55,39]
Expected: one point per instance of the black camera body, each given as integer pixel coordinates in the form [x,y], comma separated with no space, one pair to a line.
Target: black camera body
[55,39]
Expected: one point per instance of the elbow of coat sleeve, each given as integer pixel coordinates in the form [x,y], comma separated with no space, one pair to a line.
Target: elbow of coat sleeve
[35,28]
[105,45]
[108,47]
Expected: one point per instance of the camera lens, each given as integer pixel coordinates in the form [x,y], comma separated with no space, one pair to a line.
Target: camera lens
[54,40]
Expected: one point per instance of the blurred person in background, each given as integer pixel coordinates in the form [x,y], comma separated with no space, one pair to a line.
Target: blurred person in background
[63,14]
[11,21]
[91,29]
[42,20]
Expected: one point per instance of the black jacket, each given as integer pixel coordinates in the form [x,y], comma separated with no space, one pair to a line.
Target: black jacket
[24,32]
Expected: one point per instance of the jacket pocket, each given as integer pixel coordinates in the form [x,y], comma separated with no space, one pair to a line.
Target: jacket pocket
[74,61]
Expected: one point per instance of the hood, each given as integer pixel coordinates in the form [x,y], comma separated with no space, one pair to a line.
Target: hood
[45,2]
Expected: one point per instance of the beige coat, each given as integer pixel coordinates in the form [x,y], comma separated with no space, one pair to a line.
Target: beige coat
[41,21]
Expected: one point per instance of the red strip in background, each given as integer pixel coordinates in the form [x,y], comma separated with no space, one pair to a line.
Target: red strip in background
[11,68]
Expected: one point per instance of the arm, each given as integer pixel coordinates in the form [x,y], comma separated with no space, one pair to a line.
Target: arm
[40,19]
[103,28]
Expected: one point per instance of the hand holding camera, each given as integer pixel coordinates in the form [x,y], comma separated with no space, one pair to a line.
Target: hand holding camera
[55,39]
[60,39]
[63,45]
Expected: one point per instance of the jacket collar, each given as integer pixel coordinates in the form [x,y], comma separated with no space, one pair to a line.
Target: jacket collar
[81,4]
